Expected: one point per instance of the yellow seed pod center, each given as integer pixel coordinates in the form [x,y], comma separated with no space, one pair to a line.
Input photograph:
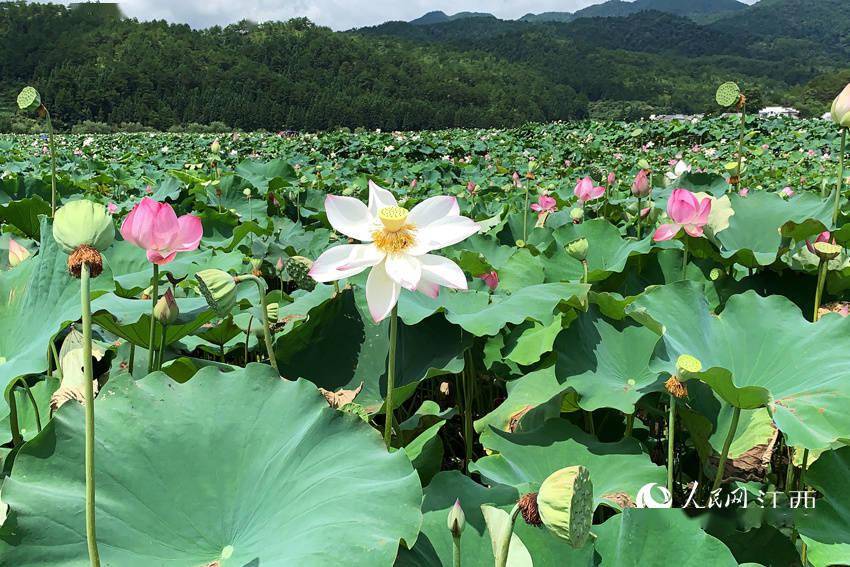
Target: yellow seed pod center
[688,363]
[393,218]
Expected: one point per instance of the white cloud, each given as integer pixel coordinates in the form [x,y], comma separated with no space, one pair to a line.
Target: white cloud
[337,14]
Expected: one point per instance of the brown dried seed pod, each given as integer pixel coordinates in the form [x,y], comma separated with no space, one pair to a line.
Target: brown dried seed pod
[88,255]
[528,508]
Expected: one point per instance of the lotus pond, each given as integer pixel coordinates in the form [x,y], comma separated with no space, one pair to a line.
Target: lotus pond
[565,344]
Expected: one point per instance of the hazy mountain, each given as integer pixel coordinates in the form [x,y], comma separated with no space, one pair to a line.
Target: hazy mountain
[438,17]
[618,8]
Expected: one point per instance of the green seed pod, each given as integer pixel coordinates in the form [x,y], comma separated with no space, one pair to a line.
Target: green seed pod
[687,364]
[219,289]
[727,94]
[565,504]
[29,99]
[298,268]
[83,223]
[826,250]
[578,249]
[576,214]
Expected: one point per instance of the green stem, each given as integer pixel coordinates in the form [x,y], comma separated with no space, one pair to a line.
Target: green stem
[803,468]
[588,422]
[685,260]
[789,472]
[456,551]
[32,401]
[132,361]
[721,465]
[584,267]
[14,426]
[671,442]
[89,410]
[468,378]
[56,358]
[840,188]
[741,146]
[388,406]
[639,219]
[630,424]
[52,164]
[152,334]
[525,216]
[161,348]
[267,334]
[247,338]
[505,544]
[822,269]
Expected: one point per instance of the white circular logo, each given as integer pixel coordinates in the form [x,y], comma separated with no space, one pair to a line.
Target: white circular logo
[645,499]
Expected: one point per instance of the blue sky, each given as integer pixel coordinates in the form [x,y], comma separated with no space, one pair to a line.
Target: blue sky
[337,14]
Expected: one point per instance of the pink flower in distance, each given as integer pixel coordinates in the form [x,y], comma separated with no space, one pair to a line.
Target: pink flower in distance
[545,204]
[686,211]
[491,279]
[824,236]
[787,192]
[585,191]
[612,178]
[112,208]
[744,191]
[155,227]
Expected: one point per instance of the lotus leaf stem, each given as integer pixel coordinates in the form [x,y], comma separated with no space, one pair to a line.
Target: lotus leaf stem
[505,545]
[388,406]
[721,464]
[671,442]
[267,334]
[840,188]
[152,334]
[88,392]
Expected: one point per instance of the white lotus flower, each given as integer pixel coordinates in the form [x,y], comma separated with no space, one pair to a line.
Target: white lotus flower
[680,169]
[396,246]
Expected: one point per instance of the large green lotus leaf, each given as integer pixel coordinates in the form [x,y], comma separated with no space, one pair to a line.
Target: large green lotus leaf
[658,537]
[760,220]
[24,215]
[339,346]
[826,528]
[240,468]
[524,460]
[608,364]
[802,377]
[28,417]
[607,251]
[520,271]
[133,272]
[535,390]
[260,174]
[434,546]
[529,341]
[483,314]
[130,318]
[37,299]
[233,199]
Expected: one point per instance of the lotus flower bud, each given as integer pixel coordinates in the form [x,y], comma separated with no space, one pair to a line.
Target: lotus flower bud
[298,268]
[17,253]
[246,192]
[218,288]
[641,186]
[457,519]
[564,505]
[612,177]
[578,249]
[256,266]
[83,229]
[841,108]
[29,99]
[215,147]
[166,311]
[577,214]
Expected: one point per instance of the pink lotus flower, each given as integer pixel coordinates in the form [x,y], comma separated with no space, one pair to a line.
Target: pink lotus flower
[491,279]
[787,192]
[824,236]
[545,204]
[472,188]
[585,191]
[112,208]
[17,253]
[516,180]
[686,211]
[612,177]
[744,191]
[641,186]
[155,227]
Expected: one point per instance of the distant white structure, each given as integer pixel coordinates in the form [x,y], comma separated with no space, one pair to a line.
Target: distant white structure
[680,117]
[770,111]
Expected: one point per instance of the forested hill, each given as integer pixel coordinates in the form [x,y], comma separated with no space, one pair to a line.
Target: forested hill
[92,64]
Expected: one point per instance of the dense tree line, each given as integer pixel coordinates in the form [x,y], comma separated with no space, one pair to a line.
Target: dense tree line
[101,67]
[95,66]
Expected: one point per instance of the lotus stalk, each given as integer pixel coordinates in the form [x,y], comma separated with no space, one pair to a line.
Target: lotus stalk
[730,436]
[152,332]
[84,229]
[262,287]
[391,368]
[826,250]
[504,545]
[28,99]
[840,113]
